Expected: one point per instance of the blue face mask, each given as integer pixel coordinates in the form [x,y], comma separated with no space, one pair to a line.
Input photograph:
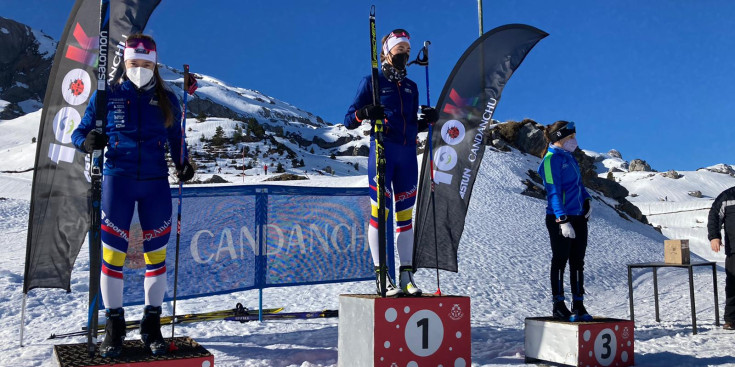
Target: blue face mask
[570,145]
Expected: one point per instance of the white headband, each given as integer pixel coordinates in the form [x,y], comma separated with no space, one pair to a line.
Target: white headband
[392,41]
[139,54]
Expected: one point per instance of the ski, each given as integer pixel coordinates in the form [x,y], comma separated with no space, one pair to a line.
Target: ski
[286,316]
[95,192]
[239,310]
[379,157]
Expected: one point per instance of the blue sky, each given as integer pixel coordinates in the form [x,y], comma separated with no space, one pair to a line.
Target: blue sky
[653,79]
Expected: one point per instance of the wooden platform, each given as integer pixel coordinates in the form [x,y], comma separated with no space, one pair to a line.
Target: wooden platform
[189,354]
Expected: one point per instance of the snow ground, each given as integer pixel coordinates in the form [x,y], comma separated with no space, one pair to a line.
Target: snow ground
[503,268]
[503,262]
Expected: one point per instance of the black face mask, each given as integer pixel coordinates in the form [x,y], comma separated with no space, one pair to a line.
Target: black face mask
[399,61]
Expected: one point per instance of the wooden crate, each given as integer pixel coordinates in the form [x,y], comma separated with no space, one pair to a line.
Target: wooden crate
[676,251]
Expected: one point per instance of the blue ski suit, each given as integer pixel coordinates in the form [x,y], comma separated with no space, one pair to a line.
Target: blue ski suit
[401,103]
[565,196]
[135,171]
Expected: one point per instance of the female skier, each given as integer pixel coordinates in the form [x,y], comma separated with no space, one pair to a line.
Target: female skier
[398,107]
[142,116]
[567,211]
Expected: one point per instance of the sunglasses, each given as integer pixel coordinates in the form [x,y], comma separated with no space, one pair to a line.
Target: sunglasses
[569,126]
[141,43]
[400,33]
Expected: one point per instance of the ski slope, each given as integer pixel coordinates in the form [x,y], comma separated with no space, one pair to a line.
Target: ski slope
[503,266]
[668,203]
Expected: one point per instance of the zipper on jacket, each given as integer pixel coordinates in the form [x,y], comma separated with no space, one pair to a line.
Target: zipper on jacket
[139,139]
[400,97]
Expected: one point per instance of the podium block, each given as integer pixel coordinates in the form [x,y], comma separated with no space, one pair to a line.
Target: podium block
[601,342]
[189,354]
[405,331]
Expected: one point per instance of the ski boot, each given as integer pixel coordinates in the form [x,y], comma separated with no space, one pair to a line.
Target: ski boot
[405,280]
[560,311]
[111,346]
[150,331]
[390,287]
[579,313]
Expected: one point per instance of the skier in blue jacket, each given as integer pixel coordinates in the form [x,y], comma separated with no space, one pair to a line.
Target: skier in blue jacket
[142,117]
[398,107]
[567,211]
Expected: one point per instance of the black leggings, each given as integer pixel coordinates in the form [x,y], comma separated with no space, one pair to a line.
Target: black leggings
[567,249]
[730,288]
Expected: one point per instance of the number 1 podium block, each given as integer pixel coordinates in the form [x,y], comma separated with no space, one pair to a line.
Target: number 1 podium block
[406,331]
[601,342]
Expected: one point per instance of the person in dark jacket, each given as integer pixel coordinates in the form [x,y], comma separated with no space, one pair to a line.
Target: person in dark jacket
[398,107]
[722,214]
[142,118]
[567,211]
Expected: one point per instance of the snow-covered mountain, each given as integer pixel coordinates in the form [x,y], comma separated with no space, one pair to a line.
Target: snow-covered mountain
[256,129]
[25,64]
[676,202]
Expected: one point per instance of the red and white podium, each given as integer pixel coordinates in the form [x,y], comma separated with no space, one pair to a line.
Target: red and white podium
[601,342]
[405,331]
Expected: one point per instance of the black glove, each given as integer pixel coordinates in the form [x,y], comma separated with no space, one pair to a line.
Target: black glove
[371,112]
[185,173]
[95,140]
[430,114]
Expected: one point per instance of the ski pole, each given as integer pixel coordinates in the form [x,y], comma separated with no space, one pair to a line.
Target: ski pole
[172,347]
[425,61]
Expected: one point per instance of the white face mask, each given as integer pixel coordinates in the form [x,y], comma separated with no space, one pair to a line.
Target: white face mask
[570,145]
[139,76]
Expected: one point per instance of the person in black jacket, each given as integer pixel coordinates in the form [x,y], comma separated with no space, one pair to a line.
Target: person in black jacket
[723,213]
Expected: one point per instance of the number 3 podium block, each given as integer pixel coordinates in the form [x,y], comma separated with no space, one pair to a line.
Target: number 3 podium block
[601,342]
[406,331]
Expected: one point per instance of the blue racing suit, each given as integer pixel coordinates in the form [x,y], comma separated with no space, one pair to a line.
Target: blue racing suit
[401,103]
[135,171]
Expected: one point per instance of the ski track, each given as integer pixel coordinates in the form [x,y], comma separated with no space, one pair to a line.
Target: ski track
[503,261]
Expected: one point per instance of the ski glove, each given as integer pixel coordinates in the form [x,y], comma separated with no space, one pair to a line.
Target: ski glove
[430,114]
[587,209]
[95,140]
[567,230]
[370,112]
[185,173]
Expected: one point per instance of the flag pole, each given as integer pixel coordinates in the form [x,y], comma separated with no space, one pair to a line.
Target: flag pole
[23,317]
[479,14]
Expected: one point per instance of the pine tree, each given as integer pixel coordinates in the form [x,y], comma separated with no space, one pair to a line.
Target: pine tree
[357,166]
[279,168]
[237,135]
[201,117]
[332,156]
[219,136]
